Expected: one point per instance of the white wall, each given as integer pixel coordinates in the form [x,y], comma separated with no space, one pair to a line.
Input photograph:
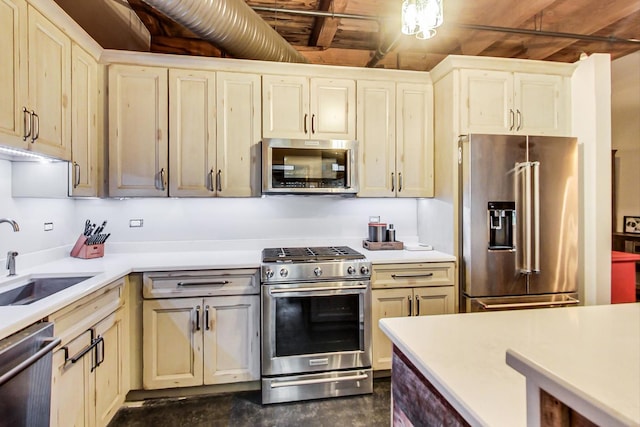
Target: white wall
[274,217]
[591,106]
[625,135]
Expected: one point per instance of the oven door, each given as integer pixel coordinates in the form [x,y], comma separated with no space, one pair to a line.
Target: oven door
[314,327]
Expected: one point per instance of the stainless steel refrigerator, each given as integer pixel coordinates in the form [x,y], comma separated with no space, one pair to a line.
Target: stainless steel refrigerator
[519,221]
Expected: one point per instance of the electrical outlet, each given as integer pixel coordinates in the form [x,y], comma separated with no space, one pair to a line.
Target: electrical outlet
[133,223]
[48,226]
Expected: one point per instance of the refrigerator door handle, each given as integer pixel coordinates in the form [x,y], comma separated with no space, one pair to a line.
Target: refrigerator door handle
[523,190]
[535,166]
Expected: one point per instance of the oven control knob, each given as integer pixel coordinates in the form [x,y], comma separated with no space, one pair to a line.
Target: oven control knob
[317,271]
[364,269]
[351,270]
[284,272]
[268,273]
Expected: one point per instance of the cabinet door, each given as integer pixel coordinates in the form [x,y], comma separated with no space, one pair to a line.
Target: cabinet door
[84,123]
[13,71]
[414,143]
[433,300]
[172,343]
[539,102]
[110,391]
[333,109]
[486,102]
[231,339]
[138,134]
[50,86]
[377,138]
[387,303]
[71,385]
[192,139]
[285,107]
[238,142]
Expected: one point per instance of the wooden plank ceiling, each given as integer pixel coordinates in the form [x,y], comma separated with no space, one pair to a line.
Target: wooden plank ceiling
[353,42]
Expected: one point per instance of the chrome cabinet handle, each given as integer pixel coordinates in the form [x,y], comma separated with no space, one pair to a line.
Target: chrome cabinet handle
[305,123]
[393,185]
[219,180]
[417,305]
[406,276]
[26,122]
[215,283]
[20,367]
[313,126]
[76,171]
[410,307]
[206,318]
[163,185]
[35,126]
[210,184]
[511,119]
[519,119]
[197,318]
[399,182]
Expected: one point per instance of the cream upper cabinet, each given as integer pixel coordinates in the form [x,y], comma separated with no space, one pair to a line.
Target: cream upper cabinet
[84,123]
[138,131]
[376,120]
[308,108]
[504,102]
[49,87]
[13,73]
[395,132]
[414,140]
[35,80]
[238,130]
[192,138]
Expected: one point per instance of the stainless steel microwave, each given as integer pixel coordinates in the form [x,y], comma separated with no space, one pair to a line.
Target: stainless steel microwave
[309,166]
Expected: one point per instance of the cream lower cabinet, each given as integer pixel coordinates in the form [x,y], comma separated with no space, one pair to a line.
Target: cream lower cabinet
[200,341]
[503,102]
[90,370]
[395,130]
[401,290]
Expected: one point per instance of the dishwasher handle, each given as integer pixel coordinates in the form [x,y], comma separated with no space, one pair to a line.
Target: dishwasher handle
[10,374]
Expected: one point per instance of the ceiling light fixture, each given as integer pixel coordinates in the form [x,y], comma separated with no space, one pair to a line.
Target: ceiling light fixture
[421,17]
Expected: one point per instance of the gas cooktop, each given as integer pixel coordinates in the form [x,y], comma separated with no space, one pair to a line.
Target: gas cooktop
[310,254]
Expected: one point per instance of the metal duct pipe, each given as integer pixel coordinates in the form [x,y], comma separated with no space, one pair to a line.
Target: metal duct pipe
[232,25]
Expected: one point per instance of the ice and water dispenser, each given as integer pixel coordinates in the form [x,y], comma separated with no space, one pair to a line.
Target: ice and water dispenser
[501,224]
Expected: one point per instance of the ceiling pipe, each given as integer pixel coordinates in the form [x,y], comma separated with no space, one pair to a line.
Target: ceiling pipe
[231,25]
[587,37]
[383,50]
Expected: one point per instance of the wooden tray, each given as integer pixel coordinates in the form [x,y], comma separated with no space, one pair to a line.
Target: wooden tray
[382,246]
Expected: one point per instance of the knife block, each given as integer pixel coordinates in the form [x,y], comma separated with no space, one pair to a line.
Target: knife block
[82,250]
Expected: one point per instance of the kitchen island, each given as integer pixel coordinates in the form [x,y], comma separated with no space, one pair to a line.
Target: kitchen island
[589,356]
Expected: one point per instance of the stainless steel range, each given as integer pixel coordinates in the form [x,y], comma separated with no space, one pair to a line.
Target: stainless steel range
[316,328]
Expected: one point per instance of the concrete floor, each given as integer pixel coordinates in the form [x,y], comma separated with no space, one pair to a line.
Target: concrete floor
[245,409]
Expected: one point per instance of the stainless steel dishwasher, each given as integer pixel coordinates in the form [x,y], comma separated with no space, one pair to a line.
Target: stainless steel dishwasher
[25,376]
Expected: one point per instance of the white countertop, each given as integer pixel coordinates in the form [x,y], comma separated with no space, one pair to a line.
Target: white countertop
[594,351]
[154,256]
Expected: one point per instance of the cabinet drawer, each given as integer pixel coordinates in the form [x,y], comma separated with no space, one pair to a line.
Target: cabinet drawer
[172,284]
[78,317]
[413,275]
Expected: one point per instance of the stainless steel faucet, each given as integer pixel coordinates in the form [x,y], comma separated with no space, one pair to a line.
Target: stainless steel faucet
[12,222]
[11,262]
[11,255]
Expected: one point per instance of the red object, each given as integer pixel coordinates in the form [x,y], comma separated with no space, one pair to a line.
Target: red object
[623,277]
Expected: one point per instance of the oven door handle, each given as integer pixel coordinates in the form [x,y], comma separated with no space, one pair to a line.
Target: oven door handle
[294,383]
[316,289]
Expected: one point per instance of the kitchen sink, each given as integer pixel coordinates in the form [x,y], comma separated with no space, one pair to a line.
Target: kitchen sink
[37,288]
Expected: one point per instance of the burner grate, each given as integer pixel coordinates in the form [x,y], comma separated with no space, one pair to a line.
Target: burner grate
[307,254]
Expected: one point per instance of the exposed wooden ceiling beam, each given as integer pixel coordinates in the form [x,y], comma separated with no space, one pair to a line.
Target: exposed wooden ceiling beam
[324,29]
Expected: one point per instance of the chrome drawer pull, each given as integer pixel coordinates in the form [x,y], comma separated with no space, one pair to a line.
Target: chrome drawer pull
[318,381]
[217,283]
[409,276]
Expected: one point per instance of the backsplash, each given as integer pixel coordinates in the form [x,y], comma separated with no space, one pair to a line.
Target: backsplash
[271,217]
